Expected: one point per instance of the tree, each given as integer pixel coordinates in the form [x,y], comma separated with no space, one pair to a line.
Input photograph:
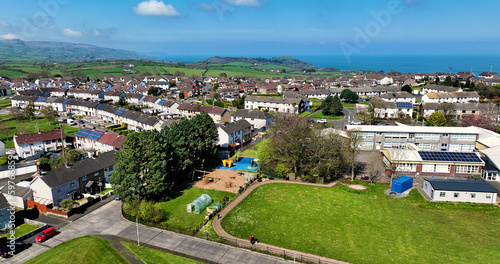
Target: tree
[153,91]
[336,108]
[352,150]
[49,113]
[172,84]
[68,204]
[29,110]
[223,74]
[181,95]
[374,165]
[396,156]
[437,80]
[122,101]
[144,168]
[467,84]
[349,96]
[216,96]
[456,83]
[448,110]
[239,103]
[326,105]
[407,88]
[437,119]
[483,120]
[325,157]
[448,81]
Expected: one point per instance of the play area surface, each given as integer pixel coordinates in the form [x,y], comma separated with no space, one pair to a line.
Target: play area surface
[244,163]
[222,180]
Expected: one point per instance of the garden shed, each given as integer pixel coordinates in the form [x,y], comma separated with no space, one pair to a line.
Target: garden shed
[199,204]
[402,184]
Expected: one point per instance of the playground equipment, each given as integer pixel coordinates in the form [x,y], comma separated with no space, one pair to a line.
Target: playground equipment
[199,204]
[229,162]
[250,177]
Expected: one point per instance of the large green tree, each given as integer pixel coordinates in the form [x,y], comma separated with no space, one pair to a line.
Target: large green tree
[336,108]
[326,105]
[49,113]
[144,168]
[349,96]
[407,88]
[437,119]
[29,110]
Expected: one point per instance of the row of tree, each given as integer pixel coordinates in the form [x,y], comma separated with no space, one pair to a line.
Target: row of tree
[296,147]
[152,162]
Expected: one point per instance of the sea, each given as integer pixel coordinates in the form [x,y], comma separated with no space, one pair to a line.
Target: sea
[387,63]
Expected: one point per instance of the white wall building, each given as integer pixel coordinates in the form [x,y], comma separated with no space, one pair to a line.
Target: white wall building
[460,191]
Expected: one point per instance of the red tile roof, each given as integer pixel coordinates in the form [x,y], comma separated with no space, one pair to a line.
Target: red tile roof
[38,137]
[112,139]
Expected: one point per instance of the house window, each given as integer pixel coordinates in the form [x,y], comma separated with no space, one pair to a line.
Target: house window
[488,196]
[58,189]
[472,195]
[84,178]
[456,195]
[48,142]
[442,194]
[96,174]
[445,135]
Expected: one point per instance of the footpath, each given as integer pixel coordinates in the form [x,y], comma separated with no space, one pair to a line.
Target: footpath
[293,254]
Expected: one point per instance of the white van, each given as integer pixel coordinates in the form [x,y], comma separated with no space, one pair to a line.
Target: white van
[71,122]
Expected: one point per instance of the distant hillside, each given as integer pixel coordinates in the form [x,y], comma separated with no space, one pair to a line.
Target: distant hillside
[60,51]
[283,61]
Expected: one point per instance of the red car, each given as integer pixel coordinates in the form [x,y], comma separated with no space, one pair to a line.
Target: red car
[46,234]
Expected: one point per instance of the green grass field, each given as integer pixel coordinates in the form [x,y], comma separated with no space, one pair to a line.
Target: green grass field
[176,209]
[367,227]
[5,103]
[22,229]
[320,115]
[31,126]
[152,256]
[82,250]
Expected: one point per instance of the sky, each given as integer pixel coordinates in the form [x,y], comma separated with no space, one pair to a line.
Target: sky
[261,27]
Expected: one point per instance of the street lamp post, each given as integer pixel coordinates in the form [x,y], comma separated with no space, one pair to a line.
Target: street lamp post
[100,189]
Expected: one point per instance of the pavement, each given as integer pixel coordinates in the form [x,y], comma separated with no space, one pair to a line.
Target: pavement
[107,220]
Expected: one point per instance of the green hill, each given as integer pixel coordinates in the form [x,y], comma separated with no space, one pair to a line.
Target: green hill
[18,50]
[276,61]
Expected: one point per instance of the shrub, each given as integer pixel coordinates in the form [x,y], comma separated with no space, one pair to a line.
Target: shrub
[90,199]
[67,204]
[150,212]
[4,159]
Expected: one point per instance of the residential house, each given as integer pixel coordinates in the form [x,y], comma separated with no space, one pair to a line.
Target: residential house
[234,133]
[460,111]
[17,195]
[460,191]
[4,213]
[432,88]
[259,119]
[68,182]
[114,96]
[34,92]
[398,97]
[81,107]
[86,94]
[455,97]
[28,145]
[275,104]
[92,141]
[394,109]
[489,75]
[218,114]
[134,98]
[5,90]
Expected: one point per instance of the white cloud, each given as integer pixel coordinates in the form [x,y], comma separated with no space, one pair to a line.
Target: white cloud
[10,36]
[155,8]
[4,23]
[71,33]
[253,3]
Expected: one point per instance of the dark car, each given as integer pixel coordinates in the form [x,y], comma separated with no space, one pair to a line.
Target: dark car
[46,234]
[12,249]
[81,122]
[382,124]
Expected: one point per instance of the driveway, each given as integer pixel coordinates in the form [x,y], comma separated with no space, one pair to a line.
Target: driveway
[107,220]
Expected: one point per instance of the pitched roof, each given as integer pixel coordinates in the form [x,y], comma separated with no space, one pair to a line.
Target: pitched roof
[239,125]
[3,202]
[255,114]
[112,139]
[39,137]
[269,99]
[397,95]
[202,108]
[461,185]
[79,169]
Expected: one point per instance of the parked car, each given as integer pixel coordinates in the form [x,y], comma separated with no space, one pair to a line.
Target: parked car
[46,234]
[61,120]
[71,122]
[382,124]
[356,122]
[81,122]
[12,249]
[322,121]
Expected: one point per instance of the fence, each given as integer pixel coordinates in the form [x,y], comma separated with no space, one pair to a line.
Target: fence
[253,143]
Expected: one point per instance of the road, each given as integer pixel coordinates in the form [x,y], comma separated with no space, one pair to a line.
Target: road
[107,220]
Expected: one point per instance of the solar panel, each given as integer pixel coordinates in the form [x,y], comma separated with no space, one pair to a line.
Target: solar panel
[41,99]
[449,156]
[404,105]
[83,132]
[120,112]
[162,102]
[94,135]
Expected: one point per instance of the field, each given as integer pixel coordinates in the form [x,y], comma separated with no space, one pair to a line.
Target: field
[22,229]
[30,126]
[152,256]
[320,115]
[82,250]
[367,227]
[176,208]
[5,103]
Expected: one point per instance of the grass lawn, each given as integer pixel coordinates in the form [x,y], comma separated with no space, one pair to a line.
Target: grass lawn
[253,152]
[305,113]
[176,209]
[5,103]
[153,256]
[82,250]
[31,126]
[23,229]
[320,115]
[367,227]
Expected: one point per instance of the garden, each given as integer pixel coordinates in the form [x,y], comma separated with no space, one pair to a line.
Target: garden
[355,226]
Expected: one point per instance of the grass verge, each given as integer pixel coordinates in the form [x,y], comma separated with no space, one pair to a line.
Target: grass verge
[22,230]
[153,256]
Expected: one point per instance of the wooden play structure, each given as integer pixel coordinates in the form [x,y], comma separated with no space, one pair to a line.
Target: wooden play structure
[207,175]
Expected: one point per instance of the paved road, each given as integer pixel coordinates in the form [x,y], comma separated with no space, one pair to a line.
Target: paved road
[107,220]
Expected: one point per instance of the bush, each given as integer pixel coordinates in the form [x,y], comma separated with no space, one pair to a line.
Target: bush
[4,159]
[67,204]
[90,199]
[148,212]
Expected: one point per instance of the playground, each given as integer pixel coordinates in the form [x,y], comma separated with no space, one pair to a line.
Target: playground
[239,163]
[221,180]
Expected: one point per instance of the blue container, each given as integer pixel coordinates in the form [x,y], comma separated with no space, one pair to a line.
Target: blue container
[402,184]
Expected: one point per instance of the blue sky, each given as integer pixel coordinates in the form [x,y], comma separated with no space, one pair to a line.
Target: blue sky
[261,27]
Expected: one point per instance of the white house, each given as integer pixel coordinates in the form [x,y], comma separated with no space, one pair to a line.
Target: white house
[17,196]
[259,120]
[234,133]
[91,94]
[398,97]
[275,104]
[455,97]
[28,145]
[460,191]
[91,141]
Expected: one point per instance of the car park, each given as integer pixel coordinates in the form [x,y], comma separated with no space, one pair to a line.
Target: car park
[61,120]
[12,249]
[322,121]
[46,234]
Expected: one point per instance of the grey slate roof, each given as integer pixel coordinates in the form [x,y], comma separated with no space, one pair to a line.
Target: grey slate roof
[79,169]
[461,185]
[255,114]
[239,125]
[272,99]
[18,190]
